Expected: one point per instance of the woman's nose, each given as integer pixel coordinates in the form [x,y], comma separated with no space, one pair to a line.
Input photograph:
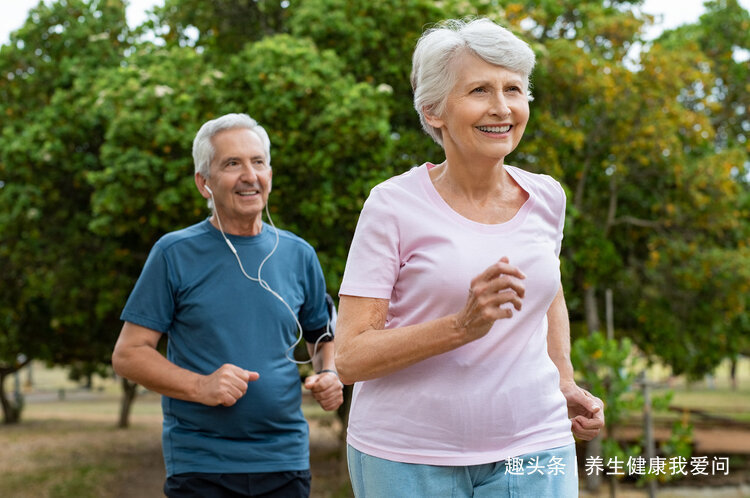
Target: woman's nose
[500,106]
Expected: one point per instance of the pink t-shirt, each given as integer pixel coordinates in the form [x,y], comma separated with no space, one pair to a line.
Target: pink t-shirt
[492,399]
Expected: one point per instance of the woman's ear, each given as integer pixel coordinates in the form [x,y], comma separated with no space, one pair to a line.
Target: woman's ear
[431,118]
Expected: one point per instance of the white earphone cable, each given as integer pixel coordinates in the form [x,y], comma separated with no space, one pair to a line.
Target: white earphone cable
[267,287]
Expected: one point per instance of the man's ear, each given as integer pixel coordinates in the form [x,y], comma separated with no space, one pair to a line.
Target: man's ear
[200,182]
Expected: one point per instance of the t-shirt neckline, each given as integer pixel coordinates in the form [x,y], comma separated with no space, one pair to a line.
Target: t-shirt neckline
[423,173]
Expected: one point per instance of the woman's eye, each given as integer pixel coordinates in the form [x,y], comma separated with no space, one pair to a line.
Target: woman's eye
[480,89]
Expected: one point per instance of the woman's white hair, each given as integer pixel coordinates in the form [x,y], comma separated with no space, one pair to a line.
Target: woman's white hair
[203,148]
[432,77]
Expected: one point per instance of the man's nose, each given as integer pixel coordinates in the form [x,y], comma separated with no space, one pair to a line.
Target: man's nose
[249,174]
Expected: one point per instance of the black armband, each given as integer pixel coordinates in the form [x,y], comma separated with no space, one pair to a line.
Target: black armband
[319,335]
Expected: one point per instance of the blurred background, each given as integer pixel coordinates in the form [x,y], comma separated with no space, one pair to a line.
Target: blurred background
[641,111]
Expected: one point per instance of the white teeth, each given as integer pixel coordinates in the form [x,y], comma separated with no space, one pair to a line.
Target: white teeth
[495,129]
[251,192]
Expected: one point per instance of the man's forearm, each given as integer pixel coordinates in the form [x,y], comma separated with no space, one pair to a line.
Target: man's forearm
[322,359]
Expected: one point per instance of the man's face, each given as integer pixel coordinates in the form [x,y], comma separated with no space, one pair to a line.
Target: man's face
[240,178]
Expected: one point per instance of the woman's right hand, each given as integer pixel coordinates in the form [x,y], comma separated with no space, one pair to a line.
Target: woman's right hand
[496,286]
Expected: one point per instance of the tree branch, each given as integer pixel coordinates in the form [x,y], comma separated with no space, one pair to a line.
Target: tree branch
[632,220]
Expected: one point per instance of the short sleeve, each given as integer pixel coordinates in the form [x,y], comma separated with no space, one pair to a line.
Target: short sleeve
[373,263]
[313,314]
[151,303]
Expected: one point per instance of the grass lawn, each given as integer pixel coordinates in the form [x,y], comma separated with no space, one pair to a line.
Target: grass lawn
[68,445]
[72,449]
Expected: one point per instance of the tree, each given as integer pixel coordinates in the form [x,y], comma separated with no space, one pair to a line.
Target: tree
[700,262]
[49,311]
[632,142]
[376,40]
[221,27]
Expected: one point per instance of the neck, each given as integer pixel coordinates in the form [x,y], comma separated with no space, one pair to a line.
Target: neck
[243,228]
[472,180]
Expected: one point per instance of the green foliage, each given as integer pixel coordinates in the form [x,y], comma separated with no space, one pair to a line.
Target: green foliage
[675,294]
[722,34]
[149,110]
[680,441]
[609,369]
[46,147]
[375,41]
[642,147]
[52,47]
[220,26]
[329,138]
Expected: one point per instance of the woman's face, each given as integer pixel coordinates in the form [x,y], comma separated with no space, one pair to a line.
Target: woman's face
[486,111]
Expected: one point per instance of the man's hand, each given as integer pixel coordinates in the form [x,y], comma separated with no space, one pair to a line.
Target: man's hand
[585,410]
[225,386]
[327,389]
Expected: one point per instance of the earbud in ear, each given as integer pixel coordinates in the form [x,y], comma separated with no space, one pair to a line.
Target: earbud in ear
[208,189]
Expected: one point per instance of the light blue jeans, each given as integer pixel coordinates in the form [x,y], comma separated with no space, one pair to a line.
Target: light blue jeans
[546,474]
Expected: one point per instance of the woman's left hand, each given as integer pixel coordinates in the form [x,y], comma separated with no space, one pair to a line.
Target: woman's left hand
[586,411]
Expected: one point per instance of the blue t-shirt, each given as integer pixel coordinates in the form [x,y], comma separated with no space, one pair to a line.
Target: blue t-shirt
[192,289]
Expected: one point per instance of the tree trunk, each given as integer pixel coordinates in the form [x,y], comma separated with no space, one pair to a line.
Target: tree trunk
[593,447]
[592,310]
[11,409]
[129,391]
[593,452]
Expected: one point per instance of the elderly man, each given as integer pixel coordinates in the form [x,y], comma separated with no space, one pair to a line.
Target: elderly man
[233,295]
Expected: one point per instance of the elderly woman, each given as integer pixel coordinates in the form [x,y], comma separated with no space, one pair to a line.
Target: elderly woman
[452,318]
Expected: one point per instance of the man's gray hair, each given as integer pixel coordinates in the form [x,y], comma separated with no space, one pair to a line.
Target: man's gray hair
[203,149]
[432,77]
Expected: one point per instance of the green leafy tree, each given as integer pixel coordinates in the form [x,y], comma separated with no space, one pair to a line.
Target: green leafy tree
[222,27]
[49,311]
[609,369]
[716,194]
[635,144]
